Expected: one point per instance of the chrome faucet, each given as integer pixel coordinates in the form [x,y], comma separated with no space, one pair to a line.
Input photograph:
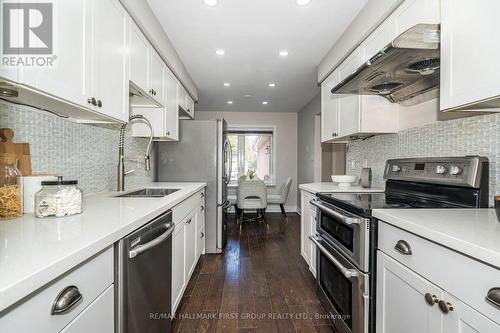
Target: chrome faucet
[121,165]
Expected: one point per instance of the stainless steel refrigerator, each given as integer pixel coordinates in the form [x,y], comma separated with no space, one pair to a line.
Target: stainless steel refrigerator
[202,154]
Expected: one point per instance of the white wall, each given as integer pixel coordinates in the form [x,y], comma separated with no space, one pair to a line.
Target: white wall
[286,143]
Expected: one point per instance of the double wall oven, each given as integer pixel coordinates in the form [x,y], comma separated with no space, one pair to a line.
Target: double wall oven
[346,232]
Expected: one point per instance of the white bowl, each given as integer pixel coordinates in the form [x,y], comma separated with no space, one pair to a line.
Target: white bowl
[344,180]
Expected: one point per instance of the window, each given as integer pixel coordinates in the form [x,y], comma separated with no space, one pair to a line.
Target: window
[252,150]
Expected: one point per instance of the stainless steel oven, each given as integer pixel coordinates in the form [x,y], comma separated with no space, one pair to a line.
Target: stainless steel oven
[343,289]
[347,232]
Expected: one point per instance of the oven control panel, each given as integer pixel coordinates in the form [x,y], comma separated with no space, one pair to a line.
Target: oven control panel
[458,171]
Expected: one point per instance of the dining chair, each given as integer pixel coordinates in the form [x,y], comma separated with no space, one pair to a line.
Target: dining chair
[252,195]
[281,197]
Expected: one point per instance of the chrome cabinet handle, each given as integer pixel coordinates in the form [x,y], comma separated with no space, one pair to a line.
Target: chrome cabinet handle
[348,273]
[99,103]
[144,247]
[202,235]
[343,218]
[92,101]
[202,208]
[493,297]
[202,194]
[403,247]
[168,133]
[445,307]
[189,221]
[66,300]
[431,299]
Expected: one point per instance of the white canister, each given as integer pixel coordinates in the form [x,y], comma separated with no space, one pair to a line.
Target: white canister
[31,185]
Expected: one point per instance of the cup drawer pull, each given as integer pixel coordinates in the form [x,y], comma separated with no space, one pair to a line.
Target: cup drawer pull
[66,300]
[403,247]
[493,297]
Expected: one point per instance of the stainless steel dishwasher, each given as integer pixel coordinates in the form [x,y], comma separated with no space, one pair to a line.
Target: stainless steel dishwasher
[143,268]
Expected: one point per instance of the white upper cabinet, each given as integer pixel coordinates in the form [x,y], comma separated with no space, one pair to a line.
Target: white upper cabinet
[68,77]
[329,108]
[156,70]
[470,76]
[146,70]
[109,59]
[139,51]
[171,115]
[165,120]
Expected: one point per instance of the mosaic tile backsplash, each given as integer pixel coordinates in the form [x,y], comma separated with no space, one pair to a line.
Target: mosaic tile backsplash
[479,135]
[88,153]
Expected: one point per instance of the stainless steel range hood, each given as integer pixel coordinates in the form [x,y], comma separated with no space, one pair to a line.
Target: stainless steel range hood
[406,68]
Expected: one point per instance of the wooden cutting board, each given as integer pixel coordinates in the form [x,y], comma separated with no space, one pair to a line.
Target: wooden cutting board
[22,150]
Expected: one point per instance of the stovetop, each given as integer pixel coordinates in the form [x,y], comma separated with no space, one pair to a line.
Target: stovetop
[363,203]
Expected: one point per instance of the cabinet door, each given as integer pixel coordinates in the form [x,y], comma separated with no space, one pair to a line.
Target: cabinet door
[304,225]
[139,50]
[378,39]
[464,319]
[312,246]
[329,109]
[190,105]
[97,317]
[67,78]
[156,77]
[171,114]
[155,117]
[349,105]
[191,238]
[109,58]
[471,71]
[200,234]
[178,264]
[401,304]
[413,12]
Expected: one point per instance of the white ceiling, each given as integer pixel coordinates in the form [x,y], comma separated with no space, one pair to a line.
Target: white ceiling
[252,32]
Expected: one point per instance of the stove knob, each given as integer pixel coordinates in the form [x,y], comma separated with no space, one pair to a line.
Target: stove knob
[455,170]
[440,169]
[396,168]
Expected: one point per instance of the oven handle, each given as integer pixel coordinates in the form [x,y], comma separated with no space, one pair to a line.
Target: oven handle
[348,273]
[345,219]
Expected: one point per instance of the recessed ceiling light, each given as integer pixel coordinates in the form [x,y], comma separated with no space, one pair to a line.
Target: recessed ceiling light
[227,84]
[247,95]
[302,2]
[229,102]
[272,85]
[210,3]
[264,102]
[220,52]
[283,53]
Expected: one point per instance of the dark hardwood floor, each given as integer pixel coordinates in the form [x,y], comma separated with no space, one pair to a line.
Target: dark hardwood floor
[259,284]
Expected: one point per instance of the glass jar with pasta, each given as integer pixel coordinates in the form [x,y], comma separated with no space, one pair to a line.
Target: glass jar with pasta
[11,205]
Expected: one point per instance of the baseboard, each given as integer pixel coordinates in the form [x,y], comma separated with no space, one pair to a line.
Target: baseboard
[275,209]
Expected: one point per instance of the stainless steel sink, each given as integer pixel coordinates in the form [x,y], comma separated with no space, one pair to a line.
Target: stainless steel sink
[149,193]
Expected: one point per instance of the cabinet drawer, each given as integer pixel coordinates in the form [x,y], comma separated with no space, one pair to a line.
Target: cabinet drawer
[97,317]
[465,278]
[34,314]
[180,211]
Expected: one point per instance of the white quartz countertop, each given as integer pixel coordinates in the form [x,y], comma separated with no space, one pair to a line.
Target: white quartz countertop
[473,232]
[35,251]
[330,187]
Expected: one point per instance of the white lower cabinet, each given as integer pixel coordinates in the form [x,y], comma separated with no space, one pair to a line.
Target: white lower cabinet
[178,263]
[431,289]
[97,317]
[308,227]
[401,304]
[189,218]
[94,282]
